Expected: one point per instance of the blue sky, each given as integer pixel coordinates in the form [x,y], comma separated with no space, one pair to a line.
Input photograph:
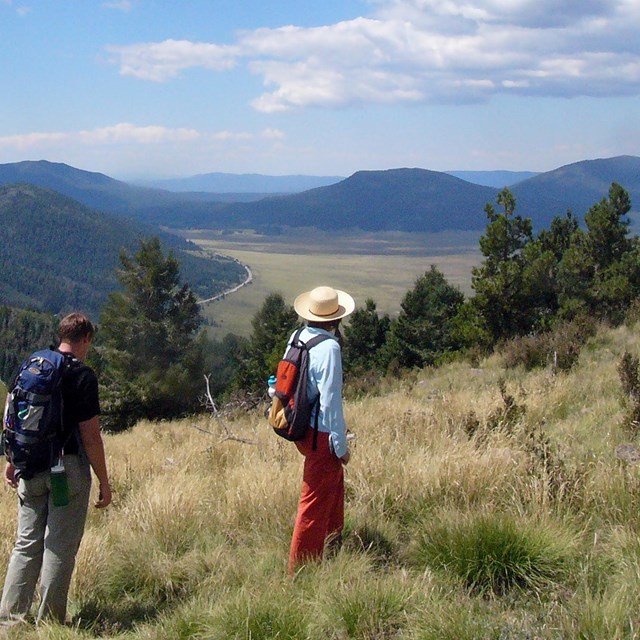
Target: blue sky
[160,88]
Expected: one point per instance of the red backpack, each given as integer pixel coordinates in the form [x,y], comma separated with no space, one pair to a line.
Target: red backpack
[290,411]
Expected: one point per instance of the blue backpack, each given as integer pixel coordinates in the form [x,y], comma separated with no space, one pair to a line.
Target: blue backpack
[32,431]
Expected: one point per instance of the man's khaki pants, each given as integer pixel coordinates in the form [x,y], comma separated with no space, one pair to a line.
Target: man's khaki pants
[47,542]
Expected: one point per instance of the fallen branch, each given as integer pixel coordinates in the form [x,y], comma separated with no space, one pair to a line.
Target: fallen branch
[211,405]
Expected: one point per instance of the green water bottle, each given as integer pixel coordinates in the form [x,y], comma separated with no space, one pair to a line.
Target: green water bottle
[59,485]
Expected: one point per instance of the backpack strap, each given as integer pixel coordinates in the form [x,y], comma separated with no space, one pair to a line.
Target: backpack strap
[316,403]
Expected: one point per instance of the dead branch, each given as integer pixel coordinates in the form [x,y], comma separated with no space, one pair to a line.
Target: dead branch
[227,433]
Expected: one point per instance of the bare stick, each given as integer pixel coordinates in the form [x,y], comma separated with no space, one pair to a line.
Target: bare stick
[228,434]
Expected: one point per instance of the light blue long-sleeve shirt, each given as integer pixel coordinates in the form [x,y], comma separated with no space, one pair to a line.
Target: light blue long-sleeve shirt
[325,378]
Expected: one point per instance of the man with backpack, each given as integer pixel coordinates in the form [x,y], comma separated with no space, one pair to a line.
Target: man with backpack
[320,517]
[48,535]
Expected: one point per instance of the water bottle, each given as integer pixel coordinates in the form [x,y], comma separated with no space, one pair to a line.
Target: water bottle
[59,485]
[272,386]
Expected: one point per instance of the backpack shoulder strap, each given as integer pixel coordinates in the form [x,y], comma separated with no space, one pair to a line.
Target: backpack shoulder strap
[317,340]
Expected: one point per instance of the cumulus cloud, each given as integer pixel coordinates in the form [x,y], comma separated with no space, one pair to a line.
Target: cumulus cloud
[424,51]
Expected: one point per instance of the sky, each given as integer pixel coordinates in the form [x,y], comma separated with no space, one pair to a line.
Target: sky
[171,88]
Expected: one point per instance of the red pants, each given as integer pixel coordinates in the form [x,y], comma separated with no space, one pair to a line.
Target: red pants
[321,507]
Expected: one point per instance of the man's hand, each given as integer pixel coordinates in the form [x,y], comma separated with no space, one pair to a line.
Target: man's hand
[10,475]
[346,457]
[104,497]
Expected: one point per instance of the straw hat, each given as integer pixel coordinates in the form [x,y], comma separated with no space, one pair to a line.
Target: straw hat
[323,304]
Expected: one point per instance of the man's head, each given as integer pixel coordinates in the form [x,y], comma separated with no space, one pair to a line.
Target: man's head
[77,331]
[324,306]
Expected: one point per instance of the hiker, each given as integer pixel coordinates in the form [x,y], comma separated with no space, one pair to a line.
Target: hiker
[48,536]
[320,517]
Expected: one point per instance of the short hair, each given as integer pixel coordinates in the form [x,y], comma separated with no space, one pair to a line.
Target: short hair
[75,326]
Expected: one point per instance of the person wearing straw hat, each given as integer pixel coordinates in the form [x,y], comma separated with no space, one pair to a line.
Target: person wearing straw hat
[320,517]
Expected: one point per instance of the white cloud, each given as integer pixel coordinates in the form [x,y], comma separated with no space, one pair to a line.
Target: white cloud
[163,60]
[424,50]
[126,133]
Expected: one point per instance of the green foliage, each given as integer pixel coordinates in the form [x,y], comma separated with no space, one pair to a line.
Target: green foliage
[423,331]
[499,281]
[599,273]
[494,553]
[21,333]
[150,354]
[365,338]
[272,326]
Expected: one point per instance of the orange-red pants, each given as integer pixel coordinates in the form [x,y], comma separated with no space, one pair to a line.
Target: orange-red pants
[321,506]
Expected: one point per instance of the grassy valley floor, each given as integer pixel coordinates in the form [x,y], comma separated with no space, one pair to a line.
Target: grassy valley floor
[380,266]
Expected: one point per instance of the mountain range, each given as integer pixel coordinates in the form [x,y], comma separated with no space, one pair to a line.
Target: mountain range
[396,199]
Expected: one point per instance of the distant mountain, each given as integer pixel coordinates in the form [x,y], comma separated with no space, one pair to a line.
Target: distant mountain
[396,199]
[251,183]
[498,179]
[57,254]
[93,189]
[576,186]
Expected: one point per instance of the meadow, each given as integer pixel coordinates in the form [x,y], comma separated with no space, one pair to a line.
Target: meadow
[482,502]
[380,266]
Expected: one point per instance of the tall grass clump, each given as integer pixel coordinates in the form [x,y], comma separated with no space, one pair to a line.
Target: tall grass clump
[493,553]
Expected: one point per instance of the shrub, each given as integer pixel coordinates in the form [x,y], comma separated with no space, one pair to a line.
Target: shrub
[629,373]
[559,348]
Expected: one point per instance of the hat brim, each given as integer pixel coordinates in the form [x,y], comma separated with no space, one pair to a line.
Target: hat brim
[346,305]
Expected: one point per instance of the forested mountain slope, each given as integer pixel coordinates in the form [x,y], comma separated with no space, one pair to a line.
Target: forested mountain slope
[577,187]
[56,254]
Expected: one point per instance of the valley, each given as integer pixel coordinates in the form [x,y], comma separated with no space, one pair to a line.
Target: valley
[382,266]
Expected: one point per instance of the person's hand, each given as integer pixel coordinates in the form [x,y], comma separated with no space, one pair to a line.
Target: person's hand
[346,457]
[10,475]
[104,497]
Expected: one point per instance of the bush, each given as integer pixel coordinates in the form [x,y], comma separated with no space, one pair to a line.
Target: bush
[559,348]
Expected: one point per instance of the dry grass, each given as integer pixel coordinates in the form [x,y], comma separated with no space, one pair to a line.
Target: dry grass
[195,545]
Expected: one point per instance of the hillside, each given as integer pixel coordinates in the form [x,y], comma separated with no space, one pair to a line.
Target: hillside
[393,200]
[464,520]
[57,254]
[576,186]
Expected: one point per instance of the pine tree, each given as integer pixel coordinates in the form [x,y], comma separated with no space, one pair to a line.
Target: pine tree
[422,332]
[365,338]
[498,282]
[150,353]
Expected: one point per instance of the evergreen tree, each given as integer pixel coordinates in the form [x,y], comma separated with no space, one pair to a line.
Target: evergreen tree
[150,353]
[365,338]
[498,282]
[272,326]
[599,273]
[423,331]
[21,333]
